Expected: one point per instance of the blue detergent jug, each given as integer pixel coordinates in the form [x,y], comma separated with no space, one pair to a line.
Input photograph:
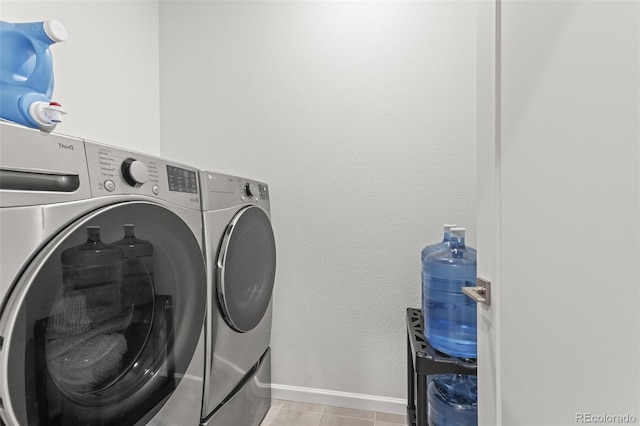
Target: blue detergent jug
[26,73]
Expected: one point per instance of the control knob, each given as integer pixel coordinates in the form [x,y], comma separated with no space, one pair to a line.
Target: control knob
[250,190]
[134,172]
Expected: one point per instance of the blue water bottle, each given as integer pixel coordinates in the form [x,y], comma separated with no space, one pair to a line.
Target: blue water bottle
[26,73]
[449,315]
[453,400]
[432,248]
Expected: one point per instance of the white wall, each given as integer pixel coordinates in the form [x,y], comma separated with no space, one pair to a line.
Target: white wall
[106,73]
[361,117]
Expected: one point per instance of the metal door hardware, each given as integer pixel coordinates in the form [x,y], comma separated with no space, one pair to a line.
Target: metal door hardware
[481,293]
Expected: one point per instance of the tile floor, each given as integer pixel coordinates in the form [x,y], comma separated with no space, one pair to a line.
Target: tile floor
[288,413]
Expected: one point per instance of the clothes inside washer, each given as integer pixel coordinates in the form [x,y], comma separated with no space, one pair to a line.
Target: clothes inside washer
[91,365]
[89,360]
[68,316]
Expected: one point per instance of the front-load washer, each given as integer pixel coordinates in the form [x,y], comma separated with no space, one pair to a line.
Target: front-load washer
[240,253]
[102,285]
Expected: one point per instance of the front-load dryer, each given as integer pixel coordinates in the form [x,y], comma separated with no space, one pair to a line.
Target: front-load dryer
[240,253]
[102,285]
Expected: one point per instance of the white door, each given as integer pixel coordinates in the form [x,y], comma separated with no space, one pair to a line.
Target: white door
[559,211]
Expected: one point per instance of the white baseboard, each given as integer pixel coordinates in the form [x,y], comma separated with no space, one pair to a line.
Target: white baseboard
[339,399]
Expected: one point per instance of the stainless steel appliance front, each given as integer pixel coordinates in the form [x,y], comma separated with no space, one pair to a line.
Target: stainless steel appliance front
[240,252]
[93,329]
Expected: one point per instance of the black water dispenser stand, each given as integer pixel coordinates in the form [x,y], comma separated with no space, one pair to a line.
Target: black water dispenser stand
[423,361]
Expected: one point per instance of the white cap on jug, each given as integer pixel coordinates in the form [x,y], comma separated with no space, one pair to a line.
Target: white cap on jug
[46,114]
[457,232]
[55,30]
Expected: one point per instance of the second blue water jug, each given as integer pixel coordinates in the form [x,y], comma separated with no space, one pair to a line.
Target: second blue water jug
[449,315]
[137,269]
[453,400]
[26,73]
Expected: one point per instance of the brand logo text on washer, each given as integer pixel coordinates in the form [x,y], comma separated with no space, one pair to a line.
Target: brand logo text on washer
[63,146]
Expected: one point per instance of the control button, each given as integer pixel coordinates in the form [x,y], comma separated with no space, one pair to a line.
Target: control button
[155,189]
[134,172]
[109,185]
[250,189]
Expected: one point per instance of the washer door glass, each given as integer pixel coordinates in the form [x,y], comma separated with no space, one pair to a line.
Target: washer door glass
[107,318]
[246,268]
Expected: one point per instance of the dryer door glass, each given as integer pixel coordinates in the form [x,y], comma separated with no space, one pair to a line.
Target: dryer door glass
[106,318]
[246,268]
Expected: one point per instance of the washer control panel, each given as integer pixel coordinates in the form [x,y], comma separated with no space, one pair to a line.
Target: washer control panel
[134,172]
[115,171]
[182,180]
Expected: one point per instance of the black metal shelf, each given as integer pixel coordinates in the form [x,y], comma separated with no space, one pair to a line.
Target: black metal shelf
[423,361]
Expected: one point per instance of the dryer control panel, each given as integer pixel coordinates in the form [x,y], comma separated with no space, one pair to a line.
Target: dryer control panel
[220,191]
[114,171]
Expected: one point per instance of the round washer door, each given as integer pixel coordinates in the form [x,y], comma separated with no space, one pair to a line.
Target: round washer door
[105,320]
[246,269]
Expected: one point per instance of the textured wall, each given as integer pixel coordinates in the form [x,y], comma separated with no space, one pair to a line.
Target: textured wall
[106,72]
[361,117]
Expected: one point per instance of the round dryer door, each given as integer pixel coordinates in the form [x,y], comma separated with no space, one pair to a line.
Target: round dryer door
[246,268]
[106,318]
